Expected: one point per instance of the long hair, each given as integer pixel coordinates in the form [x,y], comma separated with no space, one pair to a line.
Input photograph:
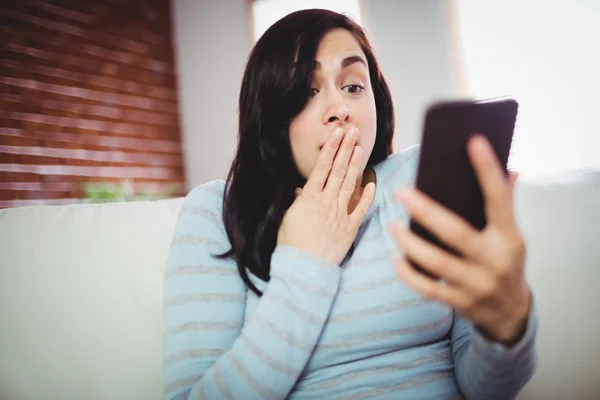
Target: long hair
[275,88]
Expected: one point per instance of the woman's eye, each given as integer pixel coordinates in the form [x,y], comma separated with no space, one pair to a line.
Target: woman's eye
[354,89]
[313,92]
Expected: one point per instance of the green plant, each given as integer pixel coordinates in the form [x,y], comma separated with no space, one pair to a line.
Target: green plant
[103,192]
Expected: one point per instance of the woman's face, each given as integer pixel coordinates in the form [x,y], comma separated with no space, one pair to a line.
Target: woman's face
[341,97]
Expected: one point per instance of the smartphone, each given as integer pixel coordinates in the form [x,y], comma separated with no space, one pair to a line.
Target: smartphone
[444,171]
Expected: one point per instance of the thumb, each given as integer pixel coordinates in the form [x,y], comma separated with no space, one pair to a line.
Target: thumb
[512,180]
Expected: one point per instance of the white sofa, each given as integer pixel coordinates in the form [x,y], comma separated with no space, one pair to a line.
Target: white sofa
[81,289]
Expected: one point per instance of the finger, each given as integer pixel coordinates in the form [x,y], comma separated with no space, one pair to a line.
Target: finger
[512,182]
[349,183]
[340,165]
[442,264]
[431,289]
[320,172]
[362,208]
[493,182]
[444,224]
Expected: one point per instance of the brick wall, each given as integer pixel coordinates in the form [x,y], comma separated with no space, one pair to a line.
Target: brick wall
[87,94]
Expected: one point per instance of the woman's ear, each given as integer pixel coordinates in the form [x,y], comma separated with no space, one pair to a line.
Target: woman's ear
[297,192]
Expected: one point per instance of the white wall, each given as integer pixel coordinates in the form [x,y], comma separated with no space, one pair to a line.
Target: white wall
[413,41]
[549,60]
[212,39]
[267,12]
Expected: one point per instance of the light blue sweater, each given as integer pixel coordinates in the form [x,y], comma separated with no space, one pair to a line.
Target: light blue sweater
[321,331]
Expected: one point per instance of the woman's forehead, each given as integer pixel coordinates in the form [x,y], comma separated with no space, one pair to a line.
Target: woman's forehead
[338,50]
[335,43]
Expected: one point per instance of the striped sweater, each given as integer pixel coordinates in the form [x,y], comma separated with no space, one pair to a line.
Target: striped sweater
[321,331]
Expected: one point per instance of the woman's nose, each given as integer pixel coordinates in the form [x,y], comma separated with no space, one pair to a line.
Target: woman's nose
[336,110]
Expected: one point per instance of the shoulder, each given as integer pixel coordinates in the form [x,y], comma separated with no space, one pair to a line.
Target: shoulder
[208,196]
[202,209]
[399,168]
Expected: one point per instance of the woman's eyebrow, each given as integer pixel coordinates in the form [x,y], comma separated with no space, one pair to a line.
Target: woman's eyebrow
[346,62]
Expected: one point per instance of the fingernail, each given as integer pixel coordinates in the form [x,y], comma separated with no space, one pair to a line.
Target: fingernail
[482,142]
[337,133]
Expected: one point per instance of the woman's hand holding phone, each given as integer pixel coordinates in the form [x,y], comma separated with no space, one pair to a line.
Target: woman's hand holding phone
[485,282]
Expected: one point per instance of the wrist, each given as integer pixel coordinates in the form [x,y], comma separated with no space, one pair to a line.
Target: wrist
[511,330]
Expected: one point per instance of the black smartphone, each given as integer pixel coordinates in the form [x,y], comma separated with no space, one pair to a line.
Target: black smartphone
[444,171]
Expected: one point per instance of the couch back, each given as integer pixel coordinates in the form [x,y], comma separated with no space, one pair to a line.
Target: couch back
[80,300]
[81,292]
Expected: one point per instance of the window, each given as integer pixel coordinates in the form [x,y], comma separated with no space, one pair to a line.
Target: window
[267,12]
[545,54]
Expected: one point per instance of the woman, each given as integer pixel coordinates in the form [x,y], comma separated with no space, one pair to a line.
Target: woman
[287,281]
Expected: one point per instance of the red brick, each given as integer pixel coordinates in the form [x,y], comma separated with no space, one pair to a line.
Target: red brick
[8,158]
[9,194]
[38,160]
[33,125]
[49,179]
[86,163]
[19,177]
[18,141]
[62,145]
[10,121]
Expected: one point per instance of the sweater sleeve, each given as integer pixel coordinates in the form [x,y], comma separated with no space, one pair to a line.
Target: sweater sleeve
[488,370]
[209,353]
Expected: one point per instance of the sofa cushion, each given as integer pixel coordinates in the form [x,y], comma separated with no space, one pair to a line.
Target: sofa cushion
[81,300]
